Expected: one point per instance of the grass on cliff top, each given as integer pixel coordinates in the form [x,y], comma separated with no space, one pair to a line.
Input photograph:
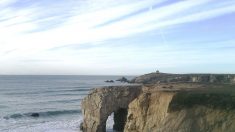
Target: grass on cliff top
[221,96]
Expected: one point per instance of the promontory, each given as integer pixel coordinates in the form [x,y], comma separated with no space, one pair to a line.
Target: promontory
[160,102]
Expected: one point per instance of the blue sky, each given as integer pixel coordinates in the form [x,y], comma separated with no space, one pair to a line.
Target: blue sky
[110,37]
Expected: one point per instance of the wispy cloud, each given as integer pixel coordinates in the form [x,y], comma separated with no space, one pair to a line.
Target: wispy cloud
[30,29]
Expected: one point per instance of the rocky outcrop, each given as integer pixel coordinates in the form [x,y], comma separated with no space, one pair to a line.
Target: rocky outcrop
[123,79]
[157,77]
[167,107]
[99,104]
[109,81]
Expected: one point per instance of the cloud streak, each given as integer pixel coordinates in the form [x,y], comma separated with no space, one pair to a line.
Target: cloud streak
[30,29]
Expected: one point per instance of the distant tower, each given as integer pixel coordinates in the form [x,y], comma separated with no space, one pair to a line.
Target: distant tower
[157,72]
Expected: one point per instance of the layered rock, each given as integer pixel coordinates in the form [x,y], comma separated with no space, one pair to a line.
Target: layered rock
[99,104]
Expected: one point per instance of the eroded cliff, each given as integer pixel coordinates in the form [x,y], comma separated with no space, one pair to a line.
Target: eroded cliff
[168,107]
[188,110]
[101,102]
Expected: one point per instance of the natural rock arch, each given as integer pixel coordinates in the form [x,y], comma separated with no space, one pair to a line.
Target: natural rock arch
[99,104]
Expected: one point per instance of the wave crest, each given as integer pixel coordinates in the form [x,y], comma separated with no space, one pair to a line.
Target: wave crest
[42,114]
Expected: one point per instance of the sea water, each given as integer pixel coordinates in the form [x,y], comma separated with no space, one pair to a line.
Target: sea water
[55,98]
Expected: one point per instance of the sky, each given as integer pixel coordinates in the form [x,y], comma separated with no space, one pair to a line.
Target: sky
[116,37]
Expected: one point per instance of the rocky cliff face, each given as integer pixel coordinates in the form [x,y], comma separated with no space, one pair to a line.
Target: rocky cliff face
[99,104]
[168,107]
[182,111]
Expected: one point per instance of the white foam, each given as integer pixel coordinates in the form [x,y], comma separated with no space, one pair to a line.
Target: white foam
[109,123]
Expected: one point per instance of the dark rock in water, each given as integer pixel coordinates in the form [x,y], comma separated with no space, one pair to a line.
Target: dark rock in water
[109,81]
[123,79]
[34,115]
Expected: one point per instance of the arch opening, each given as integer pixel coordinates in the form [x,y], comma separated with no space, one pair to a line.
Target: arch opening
[110,123]
[116,121]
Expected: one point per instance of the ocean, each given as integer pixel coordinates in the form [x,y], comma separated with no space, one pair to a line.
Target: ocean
[55,98]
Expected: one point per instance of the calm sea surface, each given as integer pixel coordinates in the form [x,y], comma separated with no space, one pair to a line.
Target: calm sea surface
[56,100]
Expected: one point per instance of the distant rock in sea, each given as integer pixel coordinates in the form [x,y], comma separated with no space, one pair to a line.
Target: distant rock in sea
[109,81]
[123,79]
[35,115]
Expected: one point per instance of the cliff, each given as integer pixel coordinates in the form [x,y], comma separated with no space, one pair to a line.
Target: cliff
[204,108]
[101,102]
[157,77]
[166,107]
